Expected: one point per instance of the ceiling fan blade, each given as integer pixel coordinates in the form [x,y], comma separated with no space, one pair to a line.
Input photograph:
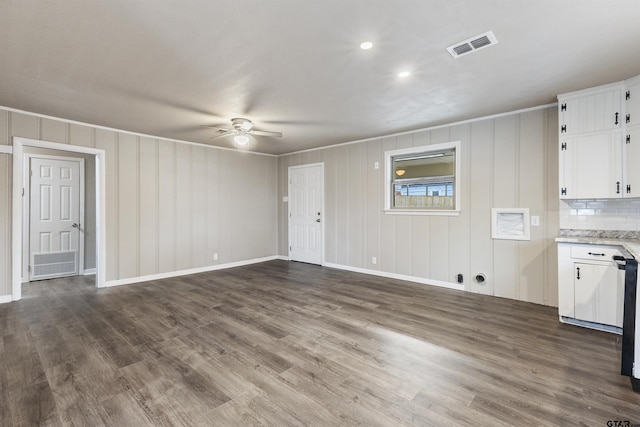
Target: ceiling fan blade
[221,135]
[220,128]
[265,133]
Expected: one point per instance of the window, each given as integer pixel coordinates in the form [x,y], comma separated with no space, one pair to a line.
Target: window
[423,180]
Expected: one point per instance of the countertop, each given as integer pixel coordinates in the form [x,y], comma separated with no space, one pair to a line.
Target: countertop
[627,240]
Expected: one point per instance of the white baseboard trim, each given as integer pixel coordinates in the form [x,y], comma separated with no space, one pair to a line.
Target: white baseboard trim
[283,258]
[448,285]
[89,272]
[178,273]
[5,299]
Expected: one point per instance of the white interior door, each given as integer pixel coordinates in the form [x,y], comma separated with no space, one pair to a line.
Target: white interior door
[54,242]
[306,193]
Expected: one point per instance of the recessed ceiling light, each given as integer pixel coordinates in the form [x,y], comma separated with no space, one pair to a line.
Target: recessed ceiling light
[404,74]
[366,45]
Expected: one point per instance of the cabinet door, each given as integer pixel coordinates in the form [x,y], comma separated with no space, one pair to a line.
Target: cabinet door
[598,293]
[591,166]
[566,299]
[596,110]
[633,103]
[632,163]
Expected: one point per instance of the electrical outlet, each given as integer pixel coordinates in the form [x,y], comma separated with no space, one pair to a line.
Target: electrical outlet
[376,165]
[373,260]
[215,256]
[535,221]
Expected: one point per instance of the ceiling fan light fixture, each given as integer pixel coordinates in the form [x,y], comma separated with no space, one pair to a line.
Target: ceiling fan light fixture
[241,139]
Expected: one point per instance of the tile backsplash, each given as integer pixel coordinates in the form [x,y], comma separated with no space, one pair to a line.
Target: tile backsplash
[600,214]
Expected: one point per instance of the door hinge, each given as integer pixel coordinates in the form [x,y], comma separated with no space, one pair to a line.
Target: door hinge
[29,268]
[563,191]
[628,140]
[23,192]
[563,128]
[628,118]
[563,107]
[628,188]
[628,95]
[289,248]
[563,146]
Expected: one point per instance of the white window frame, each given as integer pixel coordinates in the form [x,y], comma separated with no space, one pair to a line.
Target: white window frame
[388,178]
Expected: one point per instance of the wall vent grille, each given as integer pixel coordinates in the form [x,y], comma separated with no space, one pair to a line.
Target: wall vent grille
[472,44]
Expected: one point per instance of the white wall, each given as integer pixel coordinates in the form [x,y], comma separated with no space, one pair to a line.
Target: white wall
[507,161]
[169,205]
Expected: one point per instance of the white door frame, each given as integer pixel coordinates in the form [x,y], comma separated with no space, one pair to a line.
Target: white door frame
[26,210]
[17,221]
[324,216]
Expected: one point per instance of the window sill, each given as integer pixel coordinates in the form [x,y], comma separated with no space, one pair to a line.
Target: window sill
[421,212]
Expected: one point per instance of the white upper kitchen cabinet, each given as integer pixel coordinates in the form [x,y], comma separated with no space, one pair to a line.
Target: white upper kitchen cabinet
[632,99]
[599,138]
[591,110]
[591,166]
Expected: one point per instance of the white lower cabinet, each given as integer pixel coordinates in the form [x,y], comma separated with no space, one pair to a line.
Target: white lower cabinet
[590,285]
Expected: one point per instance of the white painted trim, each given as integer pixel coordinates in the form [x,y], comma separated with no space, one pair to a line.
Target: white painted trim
[16,229]
[6,149]
[5,298]
[322,228]
[89,272]
[283,258]
[73,122]
[409,132]
[178,273]
[448,285]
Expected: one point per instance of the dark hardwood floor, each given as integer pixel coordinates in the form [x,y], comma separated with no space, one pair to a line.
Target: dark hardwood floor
[282,344]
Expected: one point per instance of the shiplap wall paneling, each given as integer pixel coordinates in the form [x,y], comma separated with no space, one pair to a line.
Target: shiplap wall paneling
[356,204]
[480,195]
[459,226]
[283,207]
[505,184]
[128,200]
[212,189]
[329,216]
[552,216]
[228,188]
[24,125]
[149,212]
[6,180]
[53,131]
[531,151]
[387,258]
[81,135]
[341,226]
[199,255]
[183,224]
[374,202]
[106,140]
[166,206]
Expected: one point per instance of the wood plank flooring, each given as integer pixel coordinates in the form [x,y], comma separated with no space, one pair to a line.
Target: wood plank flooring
[290,344]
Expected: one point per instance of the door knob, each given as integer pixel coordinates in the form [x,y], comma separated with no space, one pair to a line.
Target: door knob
[75,225]
[318,220]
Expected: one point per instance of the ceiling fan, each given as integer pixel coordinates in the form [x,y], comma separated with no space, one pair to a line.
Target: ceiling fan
[241,130]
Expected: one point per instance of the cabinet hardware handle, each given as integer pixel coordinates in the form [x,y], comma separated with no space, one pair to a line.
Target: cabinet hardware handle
[617,187]
[616,122]
[595,254]
[578,270]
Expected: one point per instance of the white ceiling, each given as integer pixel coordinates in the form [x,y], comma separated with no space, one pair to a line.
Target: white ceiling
[166,67]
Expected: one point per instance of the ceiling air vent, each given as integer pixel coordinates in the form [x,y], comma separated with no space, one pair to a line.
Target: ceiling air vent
[472,44]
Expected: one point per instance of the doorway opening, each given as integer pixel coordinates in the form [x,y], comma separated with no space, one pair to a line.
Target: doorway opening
[24,150]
